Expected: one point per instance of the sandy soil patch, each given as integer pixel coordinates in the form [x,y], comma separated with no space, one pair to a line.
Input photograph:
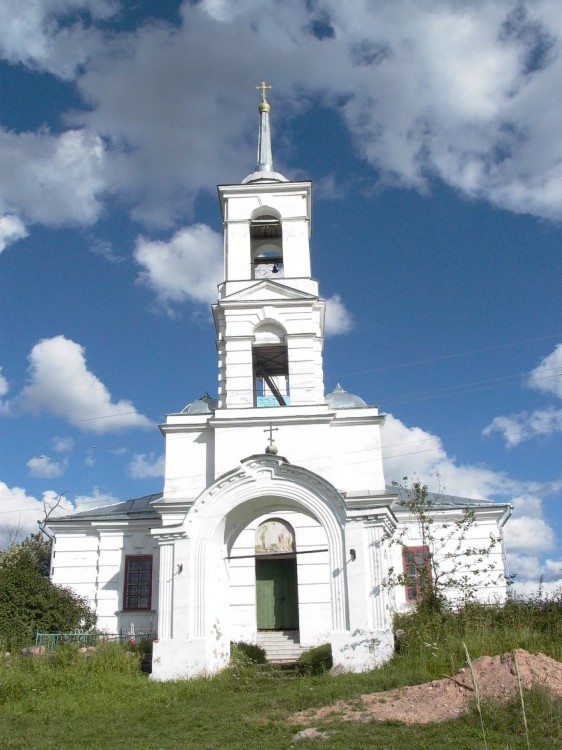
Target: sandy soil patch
[450,696]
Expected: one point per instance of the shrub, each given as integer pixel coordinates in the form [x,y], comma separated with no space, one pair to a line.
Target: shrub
[316,660]
[30,602]
[250,651]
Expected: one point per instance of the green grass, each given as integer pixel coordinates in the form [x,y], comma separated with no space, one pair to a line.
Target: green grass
[104,701]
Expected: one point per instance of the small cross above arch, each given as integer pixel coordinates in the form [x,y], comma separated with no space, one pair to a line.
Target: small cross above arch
[271,448]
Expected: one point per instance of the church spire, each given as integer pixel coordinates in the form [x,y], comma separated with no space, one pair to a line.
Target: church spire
[264,167]
[265,158]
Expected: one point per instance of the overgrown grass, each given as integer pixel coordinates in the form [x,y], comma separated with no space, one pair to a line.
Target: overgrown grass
[68,700]
[433,638]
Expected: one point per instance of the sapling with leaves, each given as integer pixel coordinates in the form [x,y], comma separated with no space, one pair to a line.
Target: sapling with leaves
[450,561]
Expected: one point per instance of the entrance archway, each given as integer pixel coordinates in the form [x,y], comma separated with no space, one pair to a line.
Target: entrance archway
[261,486]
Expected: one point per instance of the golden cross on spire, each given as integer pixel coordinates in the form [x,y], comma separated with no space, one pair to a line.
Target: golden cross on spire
[263,88]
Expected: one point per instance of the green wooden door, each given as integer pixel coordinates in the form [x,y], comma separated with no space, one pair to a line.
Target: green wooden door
[277,594]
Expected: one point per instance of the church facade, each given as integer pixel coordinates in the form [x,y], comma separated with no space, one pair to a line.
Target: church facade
[274,524]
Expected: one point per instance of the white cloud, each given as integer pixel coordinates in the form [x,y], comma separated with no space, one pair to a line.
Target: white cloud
[526,426]
[529,535]
[97,499]
[433,89]
[533,575]
[412,450]
[21,512]
[546,377]
[3,384]
[12,229]
[338,318]
[62,444]
[104,250]
[143,466]
[52,179]
[187,267]
[31,32]
[61,384]
[328,188]
[44,468]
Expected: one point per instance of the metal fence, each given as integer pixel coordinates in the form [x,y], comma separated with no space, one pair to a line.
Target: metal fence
[91,638]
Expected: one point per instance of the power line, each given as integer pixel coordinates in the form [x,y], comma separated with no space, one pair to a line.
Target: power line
[453,390]
[413,363]
[327,458]
[467,353]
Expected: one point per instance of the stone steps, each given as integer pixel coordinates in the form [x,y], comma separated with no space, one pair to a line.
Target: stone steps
[281,646]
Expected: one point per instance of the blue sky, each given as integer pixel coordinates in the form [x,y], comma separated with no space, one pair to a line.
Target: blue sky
[432,134]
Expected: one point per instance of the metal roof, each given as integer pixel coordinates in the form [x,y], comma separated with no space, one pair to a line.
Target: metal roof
[138,508]
[437,499]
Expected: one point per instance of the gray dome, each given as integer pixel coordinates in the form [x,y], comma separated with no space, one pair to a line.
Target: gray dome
[204,405]
[340,399]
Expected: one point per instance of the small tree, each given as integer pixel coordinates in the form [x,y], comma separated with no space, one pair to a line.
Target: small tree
[28,599]
[452,565]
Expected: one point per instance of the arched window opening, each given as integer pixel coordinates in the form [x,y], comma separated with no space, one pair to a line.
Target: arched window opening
[271,375]
[271,366]
[267,246]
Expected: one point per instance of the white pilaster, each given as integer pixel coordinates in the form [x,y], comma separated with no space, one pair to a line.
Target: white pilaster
[379,610]
[166,588]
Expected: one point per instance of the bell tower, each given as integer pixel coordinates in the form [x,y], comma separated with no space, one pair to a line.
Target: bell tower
[269,318]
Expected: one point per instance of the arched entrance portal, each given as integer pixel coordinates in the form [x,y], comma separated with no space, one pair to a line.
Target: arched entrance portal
[215,603]
[277,598]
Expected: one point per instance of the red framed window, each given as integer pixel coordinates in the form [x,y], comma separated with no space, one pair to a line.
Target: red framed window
[417,571]
[137,590]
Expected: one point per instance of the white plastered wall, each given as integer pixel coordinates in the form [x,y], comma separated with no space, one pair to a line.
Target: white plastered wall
[92,563]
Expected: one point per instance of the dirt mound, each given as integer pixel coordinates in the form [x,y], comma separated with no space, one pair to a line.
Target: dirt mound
[449,697]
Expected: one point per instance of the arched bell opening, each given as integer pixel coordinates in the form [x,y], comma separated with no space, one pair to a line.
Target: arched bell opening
[270,364]
[266,242]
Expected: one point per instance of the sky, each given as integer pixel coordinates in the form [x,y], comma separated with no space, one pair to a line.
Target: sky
[432,132]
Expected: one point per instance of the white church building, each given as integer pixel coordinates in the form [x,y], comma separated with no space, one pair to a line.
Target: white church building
[274,525]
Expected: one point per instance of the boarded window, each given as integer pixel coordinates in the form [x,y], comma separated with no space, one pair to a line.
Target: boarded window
[417,572]
[137,592]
